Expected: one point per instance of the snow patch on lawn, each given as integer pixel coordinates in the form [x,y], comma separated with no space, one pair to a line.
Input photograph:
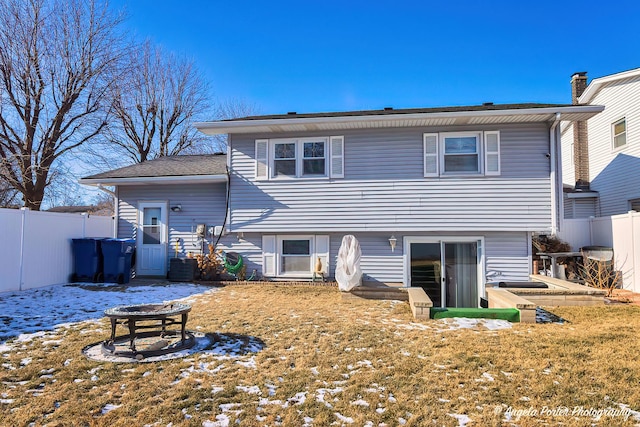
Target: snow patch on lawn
[108,408]
[28,314]
[463,420]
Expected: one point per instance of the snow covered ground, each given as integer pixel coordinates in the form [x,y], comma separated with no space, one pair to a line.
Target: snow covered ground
[41,309]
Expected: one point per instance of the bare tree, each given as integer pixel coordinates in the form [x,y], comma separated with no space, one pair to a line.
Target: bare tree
[154,106]
[57,58]
[8,195]
[228,109]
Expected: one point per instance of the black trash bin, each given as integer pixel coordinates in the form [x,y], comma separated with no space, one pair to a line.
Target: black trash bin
[118,256]
[87,260]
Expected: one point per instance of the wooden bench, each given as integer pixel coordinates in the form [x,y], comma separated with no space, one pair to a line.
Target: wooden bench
[420,303]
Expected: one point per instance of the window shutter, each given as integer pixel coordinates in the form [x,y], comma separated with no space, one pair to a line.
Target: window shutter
[337,157]
[492,153]
[430,152]
[322,252]
[268,256]
[262,159]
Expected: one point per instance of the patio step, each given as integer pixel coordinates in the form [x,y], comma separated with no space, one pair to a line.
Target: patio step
[377,292]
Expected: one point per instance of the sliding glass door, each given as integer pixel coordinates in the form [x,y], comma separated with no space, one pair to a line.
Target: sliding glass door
[446,270]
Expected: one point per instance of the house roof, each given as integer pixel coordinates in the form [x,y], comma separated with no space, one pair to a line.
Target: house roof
[597,84]
[166,170]
[89,209]
[441,116]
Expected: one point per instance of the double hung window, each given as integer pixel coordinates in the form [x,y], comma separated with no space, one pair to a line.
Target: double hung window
[461,153]
[284,159]
[619,134]
[313,157]
[294,255]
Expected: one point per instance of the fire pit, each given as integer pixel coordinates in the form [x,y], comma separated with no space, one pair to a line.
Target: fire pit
[146,322]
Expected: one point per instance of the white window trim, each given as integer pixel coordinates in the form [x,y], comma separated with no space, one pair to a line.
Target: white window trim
[299,157]
[279,254]
[481,153]
[406,257]
[333,158]
[319,248]
[613,135]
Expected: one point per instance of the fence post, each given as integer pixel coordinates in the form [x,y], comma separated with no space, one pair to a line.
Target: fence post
[84,224]
[22,230]
[633,252]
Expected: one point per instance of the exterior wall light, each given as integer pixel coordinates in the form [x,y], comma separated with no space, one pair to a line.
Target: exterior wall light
[176,208]
[392,242]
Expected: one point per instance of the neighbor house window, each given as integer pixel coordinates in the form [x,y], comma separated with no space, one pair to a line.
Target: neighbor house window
[634,205]
[461,153]
[619,134]
[314,157]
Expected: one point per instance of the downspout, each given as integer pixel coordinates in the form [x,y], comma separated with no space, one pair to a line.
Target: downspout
[555,210]
[227,211]
[23,220]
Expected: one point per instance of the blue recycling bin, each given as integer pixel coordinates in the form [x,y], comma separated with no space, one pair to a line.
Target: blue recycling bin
[87,260]
[118,255]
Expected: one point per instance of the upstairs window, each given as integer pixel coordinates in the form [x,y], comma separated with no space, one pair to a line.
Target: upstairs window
[284,161]
[313,159]
[619,133]
[461,153]
[300,158]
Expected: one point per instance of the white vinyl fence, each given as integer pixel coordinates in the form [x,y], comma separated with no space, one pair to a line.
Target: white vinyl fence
[36,246]
[620,232]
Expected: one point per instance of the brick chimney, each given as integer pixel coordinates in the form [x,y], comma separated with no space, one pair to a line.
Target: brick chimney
[580,136]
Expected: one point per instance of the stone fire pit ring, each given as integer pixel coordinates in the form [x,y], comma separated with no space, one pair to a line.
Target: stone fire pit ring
[144,323]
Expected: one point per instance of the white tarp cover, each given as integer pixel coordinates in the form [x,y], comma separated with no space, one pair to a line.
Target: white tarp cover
[348,272]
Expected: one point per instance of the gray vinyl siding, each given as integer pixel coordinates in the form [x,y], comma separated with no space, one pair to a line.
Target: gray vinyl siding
[568,207]
[508,255]
[378,263]
[505,252]
[580,208]
[384,189]
[201,203]
[585,208]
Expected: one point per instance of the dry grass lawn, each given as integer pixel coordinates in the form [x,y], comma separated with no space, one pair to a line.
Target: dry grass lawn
[328,361]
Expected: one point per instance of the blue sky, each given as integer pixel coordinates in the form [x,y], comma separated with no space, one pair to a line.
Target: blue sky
[312,56]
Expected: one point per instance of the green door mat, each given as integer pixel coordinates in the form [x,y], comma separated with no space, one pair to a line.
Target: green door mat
[510,314]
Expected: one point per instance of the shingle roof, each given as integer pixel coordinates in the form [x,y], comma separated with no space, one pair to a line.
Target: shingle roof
[182,165]
[484,107]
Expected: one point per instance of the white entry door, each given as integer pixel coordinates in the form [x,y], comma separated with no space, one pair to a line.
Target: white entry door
[152,239]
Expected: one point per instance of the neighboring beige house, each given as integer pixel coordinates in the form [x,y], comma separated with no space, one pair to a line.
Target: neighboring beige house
[601,156]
